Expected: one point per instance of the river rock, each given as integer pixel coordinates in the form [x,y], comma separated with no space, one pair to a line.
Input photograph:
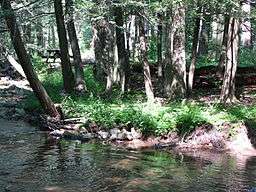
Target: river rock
[57,133]
[129,136]
[103,134]
[122,135]
[74,135]
[86,136]
[114,133]
[136,134]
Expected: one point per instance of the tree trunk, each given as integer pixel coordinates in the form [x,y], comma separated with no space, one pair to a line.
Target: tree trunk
[217,29]
[159,45]
[204,36]
[98,44]
[68,77]
[104,43]
[228,87]
[195,46]
[27,33]
[223,54]
[39,35]
[175,78]
[123,60]
[79,73]
[25,62]
[246,28]
[53,37]
[144,60]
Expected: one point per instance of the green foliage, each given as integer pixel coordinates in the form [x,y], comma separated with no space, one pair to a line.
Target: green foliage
[152,51]
[247,57]
[189,118]
[39,65]
[132,111]
[205,60]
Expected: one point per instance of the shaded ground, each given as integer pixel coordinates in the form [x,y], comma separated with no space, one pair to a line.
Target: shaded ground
[13,90]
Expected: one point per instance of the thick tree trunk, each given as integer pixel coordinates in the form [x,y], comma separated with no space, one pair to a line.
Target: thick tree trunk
[159,45]
[123,59]
[223,54]
[25,62]
[246,28]
[79,73]
[217,29]
[98,46]
[104,43]
[228,87]
[195,46]
[175,78]
[68,77]
[144,60]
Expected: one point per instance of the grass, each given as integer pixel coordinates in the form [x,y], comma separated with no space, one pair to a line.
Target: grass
[133,111]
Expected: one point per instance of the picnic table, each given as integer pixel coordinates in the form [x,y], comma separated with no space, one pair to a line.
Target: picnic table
[53,54]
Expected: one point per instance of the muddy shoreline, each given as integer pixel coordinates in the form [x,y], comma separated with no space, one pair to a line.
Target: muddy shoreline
[202,139]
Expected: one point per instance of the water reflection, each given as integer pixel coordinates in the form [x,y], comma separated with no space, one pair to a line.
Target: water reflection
[30,161]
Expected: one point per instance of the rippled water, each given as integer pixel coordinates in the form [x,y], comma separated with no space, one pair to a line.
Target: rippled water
[31,162]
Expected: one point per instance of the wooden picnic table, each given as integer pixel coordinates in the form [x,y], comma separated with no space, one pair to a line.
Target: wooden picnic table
[52,53]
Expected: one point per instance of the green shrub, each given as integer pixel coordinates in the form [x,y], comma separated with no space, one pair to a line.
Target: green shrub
[38,63]
[247,57]
[189,118]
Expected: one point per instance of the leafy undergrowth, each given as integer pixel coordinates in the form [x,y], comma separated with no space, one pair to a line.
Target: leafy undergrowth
[133,111]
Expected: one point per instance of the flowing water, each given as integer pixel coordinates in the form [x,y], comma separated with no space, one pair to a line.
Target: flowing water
[29,161]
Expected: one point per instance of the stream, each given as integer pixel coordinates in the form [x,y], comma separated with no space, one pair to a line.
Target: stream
[30,161]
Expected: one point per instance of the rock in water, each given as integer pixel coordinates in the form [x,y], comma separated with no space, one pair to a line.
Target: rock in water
[103,134]
[57,133]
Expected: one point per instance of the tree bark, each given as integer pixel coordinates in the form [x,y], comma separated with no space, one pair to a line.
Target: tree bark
[39,35]
[104,43]
[195,46]
[228,87]
[68,77]
[175,78]
[223,54]
[25,61]
[79,72]
[144,60]
[204,36]
[159,45]
[123,59]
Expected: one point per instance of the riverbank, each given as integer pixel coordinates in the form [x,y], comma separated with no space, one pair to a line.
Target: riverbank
[130,122]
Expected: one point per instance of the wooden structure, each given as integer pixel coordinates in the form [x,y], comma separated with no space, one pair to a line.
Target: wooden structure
[53,54]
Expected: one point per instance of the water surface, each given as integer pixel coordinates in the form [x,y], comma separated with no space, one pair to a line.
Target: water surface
[30,161]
